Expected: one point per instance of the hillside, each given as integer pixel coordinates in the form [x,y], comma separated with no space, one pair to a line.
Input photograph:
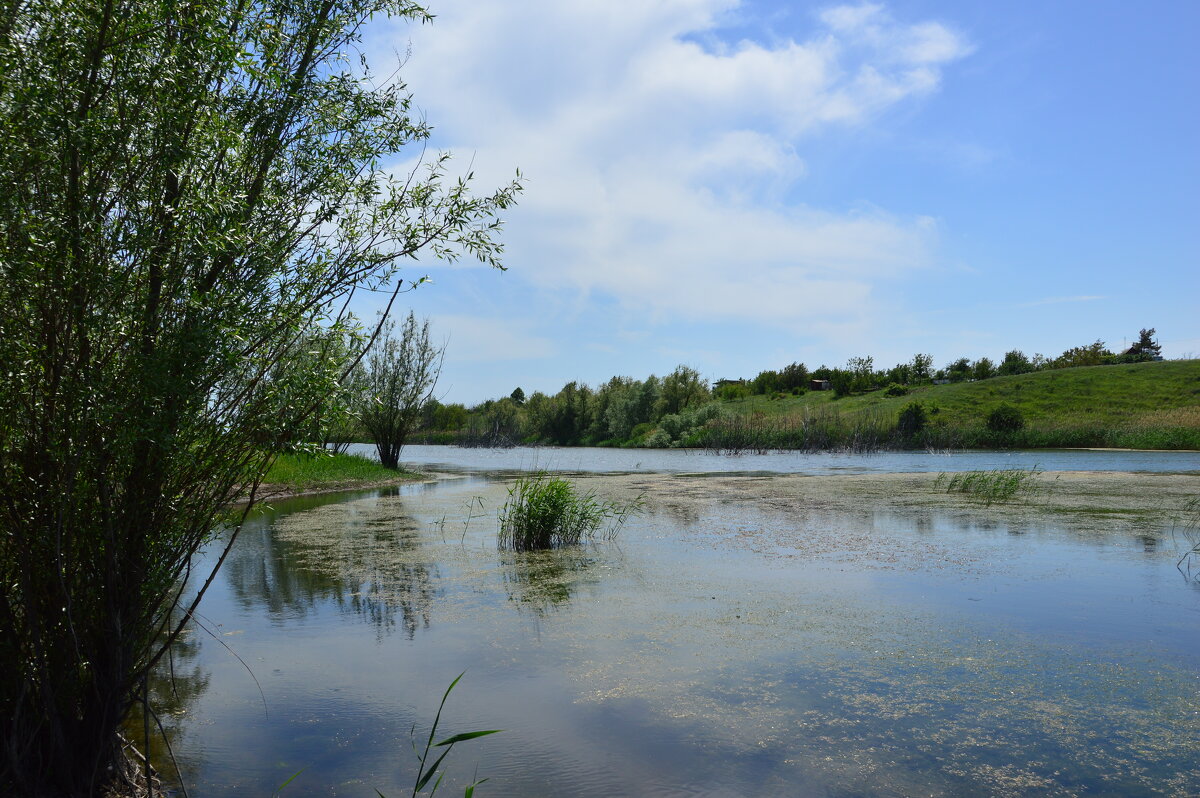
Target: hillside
[1143,405]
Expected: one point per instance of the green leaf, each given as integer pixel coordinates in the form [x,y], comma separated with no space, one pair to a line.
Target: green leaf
[458,738]
[292,778]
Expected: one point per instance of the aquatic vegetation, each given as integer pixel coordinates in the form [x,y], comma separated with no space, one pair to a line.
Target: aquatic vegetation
[544,512]
[821,430]
[998,485]
[1188,527]
[426,772]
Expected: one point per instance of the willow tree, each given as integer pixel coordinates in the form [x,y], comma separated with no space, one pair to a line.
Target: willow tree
[400,375]
[186,189]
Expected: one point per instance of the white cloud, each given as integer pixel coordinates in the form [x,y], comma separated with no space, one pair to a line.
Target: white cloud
[659,169]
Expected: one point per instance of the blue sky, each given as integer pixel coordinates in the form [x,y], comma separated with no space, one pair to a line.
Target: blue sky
[740,185]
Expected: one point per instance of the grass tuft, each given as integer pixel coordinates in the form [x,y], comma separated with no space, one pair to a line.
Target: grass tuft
[991,486]
[544,512]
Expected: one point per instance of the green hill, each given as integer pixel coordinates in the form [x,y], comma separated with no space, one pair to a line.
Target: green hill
[1140,405]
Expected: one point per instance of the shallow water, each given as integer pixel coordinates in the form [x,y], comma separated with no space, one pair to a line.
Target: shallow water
[596,460]
[729,650]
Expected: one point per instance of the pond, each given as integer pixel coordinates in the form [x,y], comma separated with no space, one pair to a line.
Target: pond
[597,460]
[717,647]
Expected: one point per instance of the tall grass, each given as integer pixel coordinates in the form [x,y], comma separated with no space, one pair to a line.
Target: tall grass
[1188,527]
[821,430]
[991,486]
[544,512]
[309,471]
[826,430]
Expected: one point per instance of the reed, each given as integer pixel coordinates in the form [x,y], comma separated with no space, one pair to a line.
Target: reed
[819,431]
[544,512]
[991,486]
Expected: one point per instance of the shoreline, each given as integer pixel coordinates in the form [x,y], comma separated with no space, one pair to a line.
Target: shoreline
[272,491]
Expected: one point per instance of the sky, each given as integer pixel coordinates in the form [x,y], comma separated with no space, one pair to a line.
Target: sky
[736,186]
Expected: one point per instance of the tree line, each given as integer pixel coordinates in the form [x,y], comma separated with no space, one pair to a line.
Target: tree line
[661,411]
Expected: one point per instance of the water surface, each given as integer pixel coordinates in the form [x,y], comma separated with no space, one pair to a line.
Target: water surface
[602,460]
[709,651]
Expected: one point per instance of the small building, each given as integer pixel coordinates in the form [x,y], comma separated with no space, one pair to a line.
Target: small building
[819,385]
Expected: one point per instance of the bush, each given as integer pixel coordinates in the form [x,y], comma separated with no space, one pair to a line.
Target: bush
[895,389]
[1005,418]
[660,439]
[544,512]
[913,418]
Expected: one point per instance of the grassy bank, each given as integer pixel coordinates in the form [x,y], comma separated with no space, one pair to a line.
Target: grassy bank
[301,473]
[1135,406]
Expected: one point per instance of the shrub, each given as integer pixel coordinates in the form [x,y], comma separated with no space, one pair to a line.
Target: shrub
[1005,418]
[544,512]
[913,418]
[660,439]
[895,389]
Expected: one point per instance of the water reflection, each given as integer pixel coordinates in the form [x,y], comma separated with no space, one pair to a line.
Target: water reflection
[175,686]
[741,648]
[540,581]
[365,557]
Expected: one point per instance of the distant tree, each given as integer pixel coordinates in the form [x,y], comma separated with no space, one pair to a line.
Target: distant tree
[766,382]
[920,368]
[401,373]
[899,374]
[982,369]
[862,370]
[502,422]
[1014,362]
[449,417]
[518,396]
[842,382]
[733,390]
[794,376]
[1146,348]
[959,370]
[682,388]
[619,413]
[567,419]
[1094,354]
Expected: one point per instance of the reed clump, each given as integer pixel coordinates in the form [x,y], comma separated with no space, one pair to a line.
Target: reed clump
[820,431]
[545,512]
[991,486]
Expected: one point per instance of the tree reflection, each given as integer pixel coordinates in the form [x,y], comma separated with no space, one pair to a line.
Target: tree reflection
[173,687]
[364,557]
